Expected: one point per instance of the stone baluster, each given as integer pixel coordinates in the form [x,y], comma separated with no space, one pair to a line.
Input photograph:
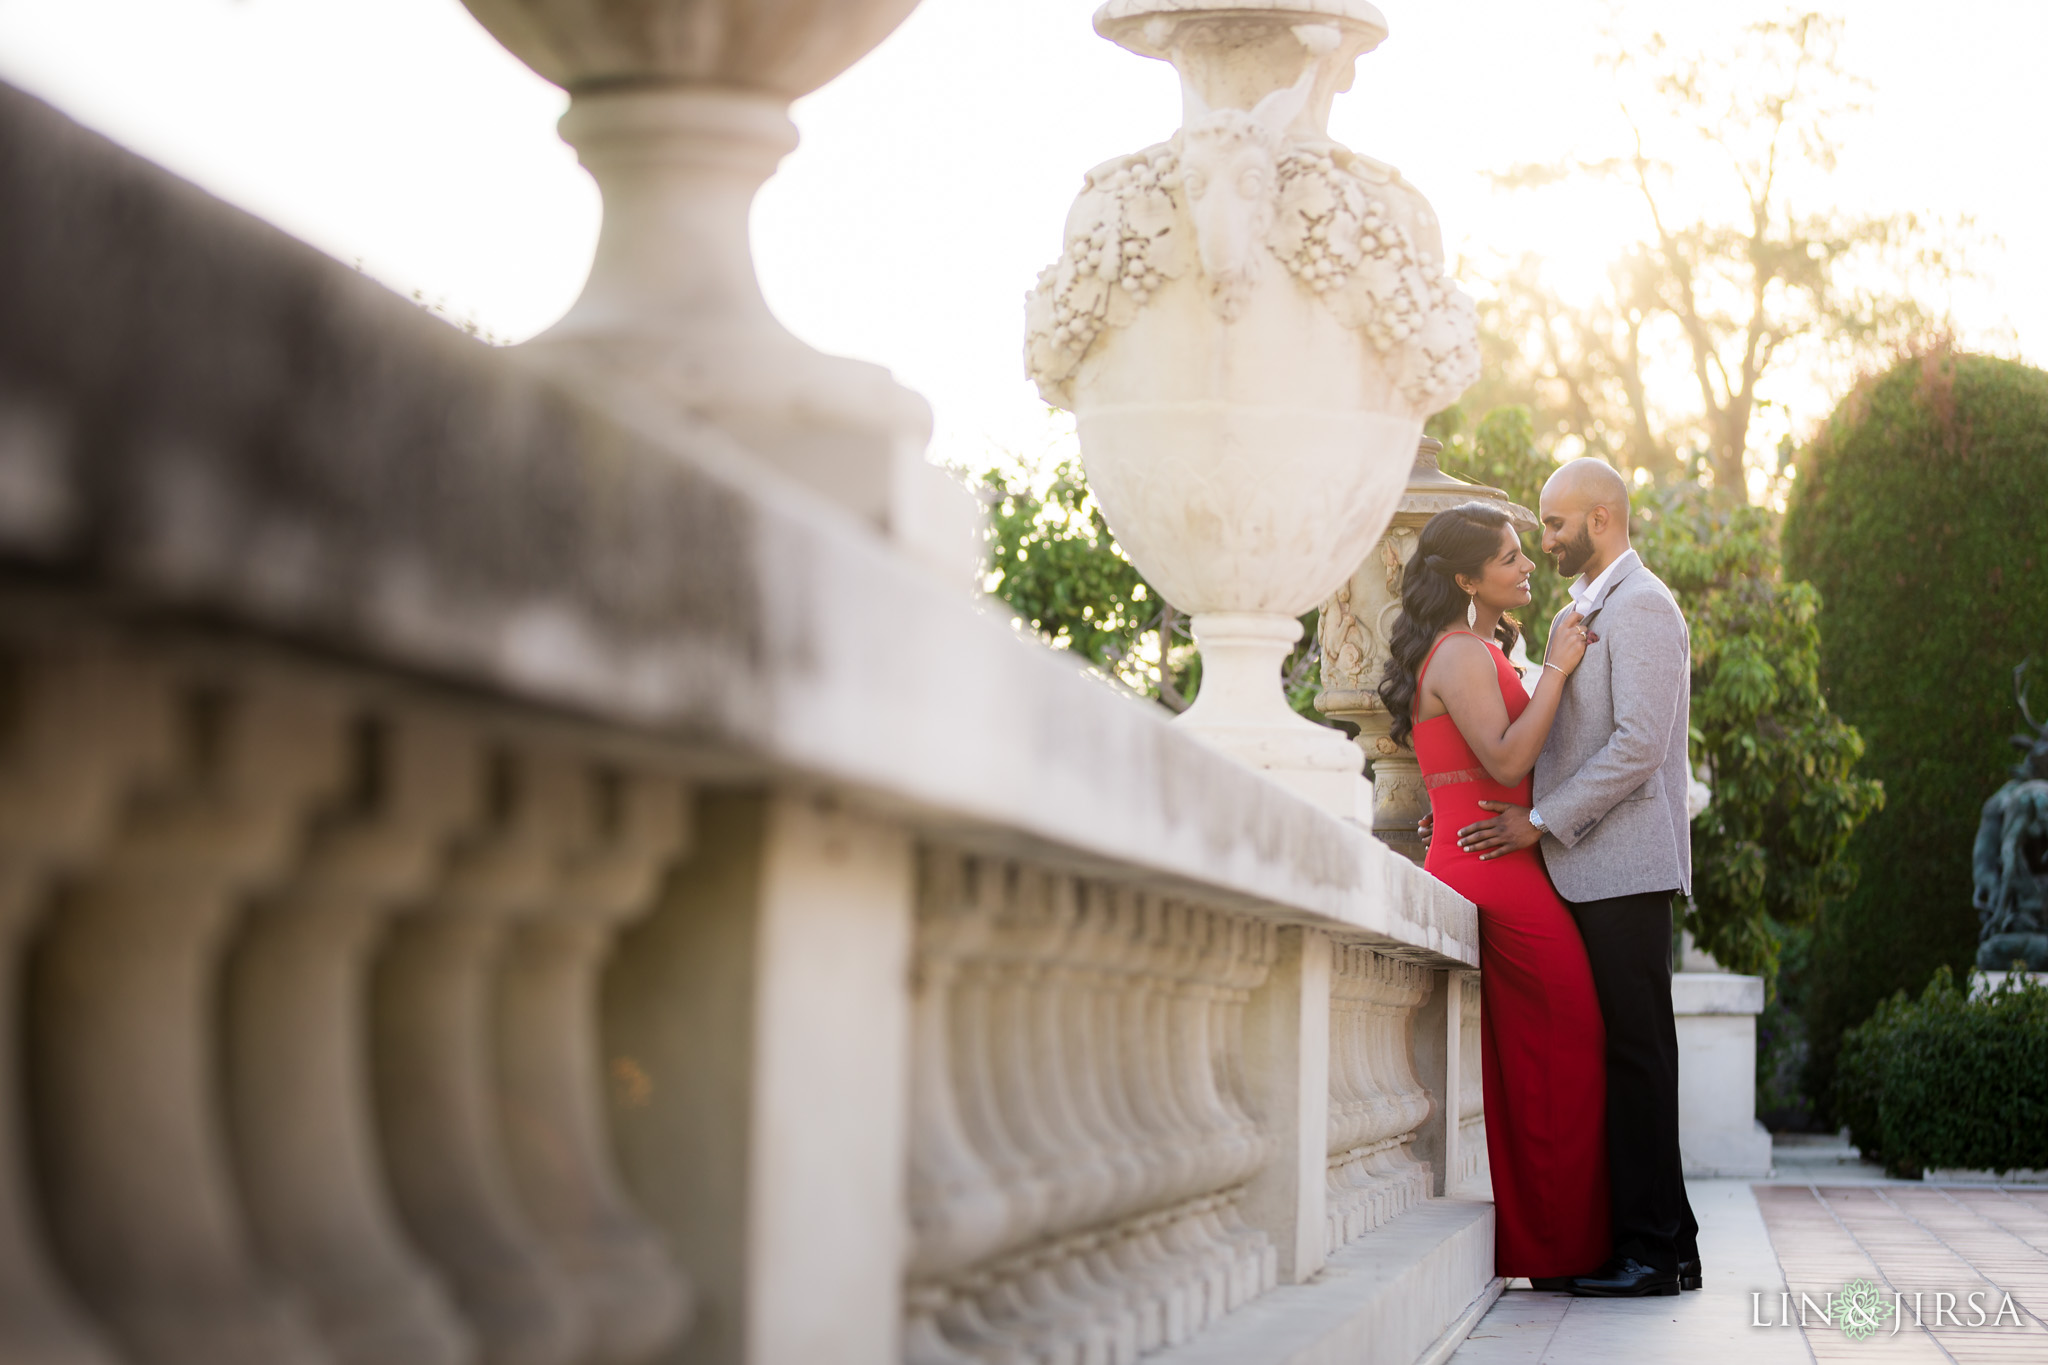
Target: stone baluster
[1037,1300]
[1472,1165]
[298,1089]
[679,110]
[1402,1181]
[436,1074]
[1049,916]
[68,752]
[1029,1086]
[1347,1097]
[1413,984]
[979,1073]
[1169,1135]
[123,1014]
[958,1211]
[1247,958]
[624,835]
[1107,952]
[1210,1041]
[1351,1186]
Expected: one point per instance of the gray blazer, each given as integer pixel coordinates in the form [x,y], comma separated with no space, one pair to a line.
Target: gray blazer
[1611,780]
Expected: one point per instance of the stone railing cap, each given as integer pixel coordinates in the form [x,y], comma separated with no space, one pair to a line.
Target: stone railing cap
[1716,993]
[210,423]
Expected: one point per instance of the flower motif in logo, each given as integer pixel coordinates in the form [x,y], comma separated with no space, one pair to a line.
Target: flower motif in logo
[1861,1309]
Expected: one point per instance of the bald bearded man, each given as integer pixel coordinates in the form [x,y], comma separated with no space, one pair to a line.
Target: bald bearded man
[1610,815]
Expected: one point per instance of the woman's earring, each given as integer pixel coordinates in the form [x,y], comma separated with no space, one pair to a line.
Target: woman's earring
[1472,612]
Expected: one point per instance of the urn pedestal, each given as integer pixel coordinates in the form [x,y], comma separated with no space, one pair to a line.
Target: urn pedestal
[680,111]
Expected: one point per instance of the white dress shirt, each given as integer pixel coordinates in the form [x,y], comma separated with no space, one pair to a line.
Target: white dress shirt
[1590,597]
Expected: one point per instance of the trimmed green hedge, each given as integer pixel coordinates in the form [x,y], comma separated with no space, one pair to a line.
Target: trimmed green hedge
[1921,514]
[1946,1081]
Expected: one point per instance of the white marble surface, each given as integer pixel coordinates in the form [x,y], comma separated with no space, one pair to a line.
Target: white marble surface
[1716,992]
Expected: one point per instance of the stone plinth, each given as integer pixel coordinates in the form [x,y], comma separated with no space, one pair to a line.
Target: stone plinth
[1717,1129]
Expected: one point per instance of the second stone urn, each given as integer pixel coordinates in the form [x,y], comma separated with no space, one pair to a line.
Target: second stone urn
[680,111]
[1250,323]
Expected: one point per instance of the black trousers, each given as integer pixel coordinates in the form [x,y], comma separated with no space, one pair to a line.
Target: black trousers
[1628,944]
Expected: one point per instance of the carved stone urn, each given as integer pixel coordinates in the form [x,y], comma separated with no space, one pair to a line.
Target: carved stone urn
[1355,625]
[680,110]
[1250,323]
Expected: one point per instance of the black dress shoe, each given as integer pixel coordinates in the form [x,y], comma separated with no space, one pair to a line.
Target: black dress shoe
[1552,1284]
[1625,1278]
[1690,1275]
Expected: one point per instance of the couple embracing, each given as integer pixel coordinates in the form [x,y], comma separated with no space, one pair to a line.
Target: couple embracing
[1579,1048]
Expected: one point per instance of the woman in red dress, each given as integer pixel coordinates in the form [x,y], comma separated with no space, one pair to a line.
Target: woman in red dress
[1476,732]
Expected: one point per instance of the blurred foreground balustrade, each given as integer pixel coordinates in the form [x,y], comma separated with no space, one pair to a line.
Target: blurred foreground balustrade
[490,876]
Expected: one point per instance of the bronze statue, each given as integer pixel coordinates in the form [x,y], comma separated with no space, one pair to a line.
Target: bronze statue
[2010,863]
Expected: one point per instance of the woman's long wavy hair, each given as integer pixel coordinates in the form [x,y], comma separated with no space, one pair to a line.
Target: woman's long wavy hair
[1457,540]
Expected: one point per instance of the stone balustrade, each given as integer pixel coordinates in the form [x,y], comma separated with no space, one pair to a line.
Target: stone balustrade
[486,881]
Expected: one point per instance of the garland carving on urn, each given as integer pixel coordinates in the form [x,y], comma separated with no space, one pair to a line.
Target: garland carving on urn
[1229,191]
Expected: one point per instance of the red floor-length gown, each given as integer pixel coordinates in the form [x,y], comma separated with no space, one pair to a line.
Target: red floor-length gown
[1542,1043]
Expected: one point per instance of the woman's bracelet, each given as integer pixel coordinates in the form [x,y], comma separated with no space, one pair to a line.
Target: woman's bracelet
[1548,664]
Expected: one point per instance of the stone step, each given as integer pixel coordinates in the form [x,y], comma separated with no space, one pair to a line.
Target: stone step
[1406,1292]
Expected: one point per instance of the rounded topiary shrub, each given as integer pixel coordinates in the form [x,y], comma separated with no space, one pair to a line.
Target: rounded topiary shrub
[1921,514]
[1948,1082]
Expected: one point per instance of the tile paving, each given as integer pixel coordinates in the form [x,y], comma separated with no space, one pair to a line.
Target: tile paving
[1930,1248]
[1710,1327]
[1766,1245]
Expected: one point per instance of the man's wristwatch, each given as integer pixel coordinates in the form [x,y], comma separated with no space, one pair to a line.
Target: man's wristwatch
[1536,820]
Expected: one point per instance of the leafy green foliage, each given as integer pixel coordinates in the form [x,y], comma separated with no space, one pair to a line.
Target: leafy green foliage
[1918,513]
[1782,1044]
[1052,558]
[1771,849]
[1054,561]
[1947,1081]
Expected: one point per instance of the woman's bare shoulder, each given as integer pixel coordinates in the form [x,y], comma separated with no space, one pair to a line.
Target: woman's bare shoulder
[1459,658]
[1463,651]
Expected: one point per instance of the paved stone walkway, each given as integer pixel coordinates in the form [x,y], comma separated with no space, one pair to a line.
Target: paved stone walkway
[1767,1240]
[1931,1248]
[1710,1327]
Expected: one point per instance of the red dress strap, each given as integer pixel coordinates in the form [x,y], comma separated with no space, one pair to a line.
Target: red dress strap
[1430,658]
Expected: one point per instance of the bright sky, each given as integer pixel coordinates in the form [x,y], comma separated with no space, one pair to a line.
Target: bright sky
[934,176]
